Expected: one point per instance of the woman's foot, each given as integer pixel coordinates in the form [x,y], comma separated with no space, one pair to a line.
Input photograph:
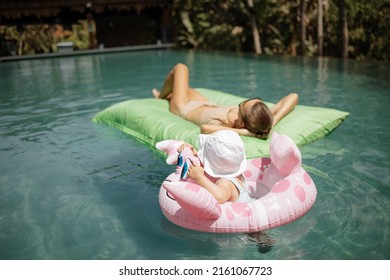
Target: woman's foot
[156,93]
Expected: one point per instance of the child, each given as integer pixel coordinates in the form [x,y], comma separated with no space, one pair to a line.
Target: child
[223,159]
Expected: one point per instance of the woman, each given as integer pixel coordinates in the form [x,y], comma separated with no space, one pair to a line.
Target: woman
[250,118]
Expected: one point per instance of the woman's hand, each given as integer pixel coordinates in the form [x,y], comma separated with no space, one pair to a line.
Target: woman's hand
[245,132]
[211,128]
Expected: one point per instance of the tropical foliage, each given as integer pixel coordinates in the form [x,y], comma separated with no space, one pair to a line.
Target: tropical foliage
[339,28]
[43,38]
[226,25]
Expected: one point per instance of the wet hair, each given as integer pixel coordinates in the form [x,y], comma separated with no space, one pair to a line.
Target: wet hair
[259,120]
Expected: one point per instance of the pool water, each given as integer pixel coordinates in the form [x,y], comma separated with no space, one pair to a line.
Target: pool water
[73,189]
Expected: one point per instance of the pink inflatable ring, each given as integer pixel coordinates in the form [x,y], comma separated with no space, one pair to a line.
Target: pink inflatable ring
[284,192]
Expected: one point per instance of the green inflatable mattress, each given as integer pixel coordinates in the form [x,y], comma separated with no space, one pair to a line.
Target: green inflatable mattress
[149,121]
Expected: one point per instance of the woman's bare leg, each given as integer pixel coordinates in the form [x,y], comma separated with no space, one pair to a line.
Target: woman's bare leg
[177,90]
[166,88]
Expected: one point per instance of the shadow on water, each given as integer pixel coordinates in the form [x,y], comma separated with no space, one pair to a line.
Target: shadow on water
[263,241]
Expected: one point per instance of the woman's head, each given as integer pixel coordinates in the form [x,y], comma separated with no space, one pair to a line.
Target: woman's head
[256,117]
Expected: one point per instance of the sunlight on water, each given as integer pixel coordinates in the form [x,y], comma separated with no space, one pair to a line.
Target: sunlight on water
[73,189]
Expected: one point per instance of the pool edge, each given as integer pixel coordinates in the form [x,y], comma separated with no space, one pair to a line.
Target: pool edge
[88,52]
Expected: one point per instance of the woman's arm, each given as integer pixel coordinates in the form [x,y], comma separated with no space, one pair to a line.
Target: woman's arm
[210,128]
[284,106]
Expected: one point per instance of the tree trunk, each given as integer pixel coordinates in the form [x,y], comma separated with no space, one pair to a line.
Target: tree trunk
[343,29]
[255,29]
[320,29]
[302,14]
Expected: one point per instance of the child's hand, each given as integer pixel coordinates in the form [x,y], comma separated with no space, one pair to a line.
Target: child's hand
[195,172]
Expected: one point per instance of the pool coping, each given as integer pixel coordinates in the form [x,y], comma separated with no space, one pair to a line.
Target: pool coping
[87,52]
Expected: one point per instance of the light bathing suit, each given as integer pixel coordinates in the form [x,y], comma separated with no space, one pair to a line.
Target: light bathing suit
[213,114]
[192,105]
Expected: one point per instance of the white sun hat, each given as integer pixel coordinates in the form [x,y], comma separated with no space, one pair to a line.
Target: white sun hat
[222,153]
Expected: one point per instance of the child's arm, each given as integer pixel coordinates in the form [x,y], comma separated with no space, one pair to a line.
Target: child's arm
[222,193]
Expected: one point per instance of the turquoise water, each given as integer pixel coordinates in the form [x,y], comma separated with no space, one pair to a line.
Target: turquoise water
[73,189]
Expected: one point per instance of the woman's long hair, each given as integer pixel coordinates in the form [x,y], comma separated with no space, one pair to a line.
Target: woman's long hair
[259,120]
